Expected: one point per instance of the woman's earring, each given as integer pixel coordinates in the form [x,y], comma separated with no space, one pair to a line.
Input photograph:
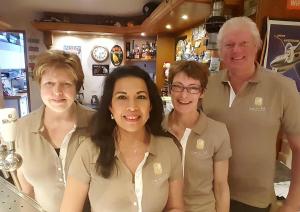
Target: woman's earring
[111,116]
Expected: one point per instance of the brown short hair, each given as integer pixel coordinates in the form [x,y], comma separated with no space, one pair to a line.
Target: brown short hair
[193,69]
[59,59]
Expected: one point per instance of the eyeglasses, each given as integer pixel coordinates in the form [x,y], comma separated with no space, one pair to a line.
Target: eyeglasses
[190,89]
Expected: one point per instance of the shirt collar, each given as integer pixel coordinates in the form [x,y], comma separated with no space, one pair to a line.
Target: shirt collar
[199,127]
[37,125]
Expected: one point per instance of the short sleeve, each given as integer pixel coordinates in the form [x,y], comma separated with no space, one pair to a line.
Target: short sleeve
[84,161]
[291,109]
[176,165]
[223,149]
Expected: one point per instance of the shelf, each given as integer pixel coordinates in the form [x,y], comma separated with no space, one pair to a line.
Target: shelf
[140,60]
[168,12]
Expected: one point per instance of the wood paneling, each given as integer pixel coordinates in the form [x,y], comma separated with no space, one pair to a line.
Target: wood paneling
[275,10]
[168,12]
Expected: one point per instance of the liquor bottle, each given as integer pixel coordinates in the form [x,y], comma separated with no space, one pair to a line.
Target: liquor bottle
[128,50]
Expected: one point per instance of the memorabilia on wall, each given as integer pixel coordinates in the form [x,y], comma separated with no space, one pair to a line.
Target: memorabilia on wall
[116,55]
[33,52]
[100,70]
[180,47]
[283,48]
[73,49]
[250,7]
[199,32]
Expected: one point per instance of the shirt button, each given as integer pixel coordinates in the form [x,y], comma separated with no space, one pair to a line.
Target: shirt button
[60,179]
[135,204]
[59,169]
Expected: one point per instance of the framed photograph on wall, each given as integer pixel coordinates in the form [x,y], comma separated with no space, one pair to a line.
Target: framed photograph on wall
[283,48]
[100,70]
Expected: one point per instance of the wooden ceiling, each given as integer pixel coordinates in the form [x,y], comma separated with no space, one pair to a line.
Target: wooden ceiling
[168,12]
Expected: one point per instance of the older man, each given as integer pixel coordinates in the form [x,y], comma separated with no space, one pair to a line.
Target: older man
[255,104]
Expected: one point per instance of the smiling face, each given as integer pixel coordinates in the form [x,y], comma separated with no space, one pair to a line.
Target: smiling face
[238,49]
[185,102]
[130,104]
[58,89]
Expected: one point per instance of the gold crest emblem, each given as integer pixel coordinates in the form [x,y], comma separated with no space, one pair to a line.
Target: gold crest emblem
[258,101]
[157,168]
[200,144]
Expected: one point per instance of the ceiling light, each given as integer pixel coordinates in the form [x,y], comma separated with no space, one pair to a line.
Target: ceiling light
[184,17]
[168,26]
[143,34]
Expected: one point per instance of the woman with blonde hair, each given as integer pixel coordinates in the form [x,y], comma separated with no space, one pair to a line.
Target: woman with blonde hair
[48,138]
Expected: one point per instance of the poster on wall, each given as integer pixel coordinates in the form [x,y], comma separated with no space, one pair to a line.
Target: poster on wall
[116,55]
[73,49]
[100,70]
[283,49]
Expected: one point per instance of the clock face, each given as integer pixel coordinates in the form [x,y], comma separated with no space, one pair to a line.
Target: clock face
[99,53]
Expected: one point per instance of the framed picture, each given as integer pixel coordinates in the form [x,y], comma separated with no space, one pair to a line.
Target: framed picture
[100,70]
[283,48]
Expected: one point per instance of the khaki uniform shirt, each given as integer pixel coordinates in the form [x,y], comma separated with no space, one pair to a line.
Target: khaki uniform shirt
[265,104]
[41,166]
[207,143]
[119,192]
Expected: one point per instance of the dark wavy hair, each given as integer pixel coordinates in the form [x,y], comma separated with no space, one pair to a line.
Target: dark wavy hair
[103,126]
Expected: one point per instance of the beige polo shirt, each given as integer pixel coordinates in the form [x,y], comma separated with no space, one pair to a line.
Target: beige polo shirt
[41,166]
[119,192]
[267,103]
[208,142]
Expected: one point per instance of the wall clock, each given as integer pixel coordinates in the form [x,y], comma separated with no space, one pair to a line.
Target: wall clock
[99,53]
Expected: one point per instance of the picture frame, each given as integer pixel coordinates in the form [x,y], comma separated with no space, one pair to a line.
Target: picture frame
[283,48]
[100,70]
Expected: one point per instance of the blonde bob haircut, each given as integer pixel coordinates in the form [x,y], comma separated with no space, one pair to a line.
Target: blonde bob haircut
[241,22]
[58,59]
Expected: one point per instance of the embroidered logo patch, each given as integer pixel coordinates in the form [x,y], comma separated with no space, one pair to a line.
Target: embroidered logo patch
[258,105]
[200,144]
[258,101]
[157,169]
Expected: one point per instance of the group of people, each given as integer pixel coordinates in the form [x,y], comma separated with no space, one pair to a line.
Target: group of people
[214,152]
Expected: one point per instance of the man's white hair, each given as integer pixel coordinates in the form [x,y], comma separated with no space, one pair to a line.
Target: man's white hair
[241,22]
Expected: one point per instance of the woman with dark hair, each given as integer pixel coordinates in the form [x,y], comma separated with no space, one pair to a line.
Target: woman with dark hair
[128,165]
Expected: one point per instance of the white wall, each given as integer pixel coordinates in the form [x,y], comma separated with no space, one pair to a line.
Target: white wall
[92,84]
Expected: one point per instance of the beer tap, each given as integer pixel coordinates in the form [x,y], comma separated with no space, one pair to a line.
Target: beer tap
[10,161]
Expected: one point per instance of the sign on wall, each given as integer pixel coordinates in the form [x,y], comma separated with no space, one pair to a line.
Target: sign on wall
[73,49]
[293,4]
